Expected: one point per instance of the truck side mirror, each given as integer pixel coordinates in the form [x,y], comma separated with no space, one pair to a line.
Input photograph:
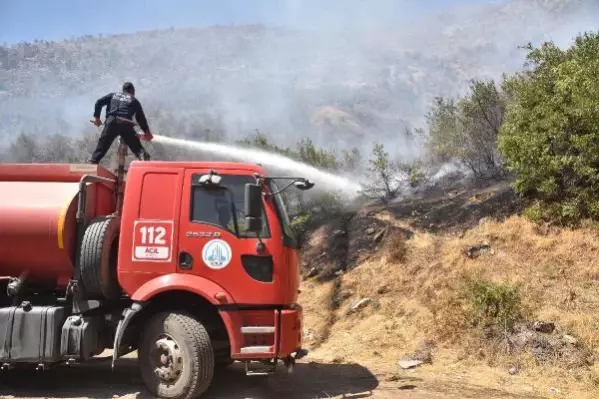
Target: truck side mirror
[253,208]
[303,185]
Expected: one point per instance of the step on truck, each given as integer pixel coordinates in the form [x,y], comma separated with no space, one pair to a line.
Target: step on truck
[194,265]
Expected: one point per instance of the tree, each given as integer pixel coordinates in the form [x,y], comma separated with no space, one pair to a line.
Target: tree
[263,142]
[385,177]
[317,157]
[551,132]
[466,130]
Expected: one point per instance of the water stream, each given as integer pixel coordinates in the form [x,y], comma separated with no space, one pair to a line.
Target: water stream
[323,180]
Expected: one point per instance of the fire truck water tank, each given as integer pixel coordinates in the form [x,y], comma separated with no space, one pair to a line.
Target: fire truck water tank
[38,226]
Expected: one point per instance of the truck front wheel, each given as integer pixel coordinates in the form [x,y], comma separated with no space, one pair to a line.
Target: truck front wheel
[176,356]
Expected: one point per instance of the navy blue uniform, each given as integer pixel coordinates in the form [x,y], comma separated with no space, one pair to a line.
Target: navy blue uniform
[120,105]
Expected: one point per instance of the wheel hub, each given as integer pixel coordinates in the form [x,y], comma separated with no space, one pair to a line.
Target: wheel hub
[167,359]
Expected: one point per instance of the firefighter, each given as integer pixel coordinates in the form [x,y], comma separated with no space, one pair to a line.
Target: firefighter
[120,109]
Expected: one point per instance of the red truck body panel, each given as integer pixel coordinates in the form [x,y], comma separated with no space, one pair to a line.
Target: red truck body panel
[158,196]
[38,203]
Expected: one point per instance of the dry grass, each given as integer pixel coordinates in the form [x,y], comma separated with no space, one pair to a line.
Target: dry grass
[418,295]
[318,317]
[396,249]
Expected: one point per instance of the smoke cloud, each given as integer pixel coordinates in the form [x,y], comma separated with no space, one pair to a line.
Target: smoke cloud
[343,73]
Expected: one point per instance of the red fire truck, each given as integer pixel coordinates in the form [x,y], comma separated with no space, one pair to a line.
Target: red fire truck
[192,264]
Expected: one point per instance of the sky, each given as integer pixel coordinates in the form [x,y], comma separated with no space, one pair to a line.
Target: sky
[29,20]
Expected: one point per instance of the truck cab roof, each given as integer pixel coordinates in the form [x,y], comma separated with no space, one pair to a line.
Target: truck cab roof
[254,168]
[73,172]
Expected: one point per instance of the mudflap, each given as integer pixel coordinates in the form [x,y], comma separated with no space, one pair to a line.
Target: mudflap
[122,327]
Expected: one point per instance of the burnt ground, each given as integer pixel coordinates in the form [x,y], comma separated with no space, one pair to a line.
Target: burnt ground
[459,208]
[348,239]
[324,254]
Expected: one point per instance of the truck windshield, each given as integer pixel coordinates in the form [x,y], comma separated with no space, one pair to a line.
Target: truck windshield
[225,207]
[281,209]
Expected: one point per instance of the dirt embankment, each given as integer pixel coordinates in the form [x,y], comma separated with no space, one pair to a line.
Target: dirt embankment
[384,285]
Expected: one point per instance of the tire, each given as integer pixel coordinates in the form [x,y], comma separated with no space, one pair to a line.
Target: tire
[191,343]
[98,258]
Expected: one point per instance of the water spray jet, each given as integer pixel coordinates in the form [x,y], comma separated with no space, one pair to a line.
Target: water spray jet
[327,181]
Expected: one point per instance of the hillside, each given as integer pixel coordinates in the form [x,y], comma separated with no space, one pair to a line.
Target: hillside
[353,87]
[380,286]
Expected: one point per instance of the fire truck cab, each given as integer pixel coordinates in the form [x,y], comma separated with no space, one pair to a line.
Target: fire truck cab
[193,264]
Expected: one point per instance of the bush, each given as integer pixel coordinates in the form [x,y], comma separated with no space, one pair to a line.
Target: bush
[551,132]
[493,305]
[417,173]
[534,213]
[300,224]
[416,176]
[562,213]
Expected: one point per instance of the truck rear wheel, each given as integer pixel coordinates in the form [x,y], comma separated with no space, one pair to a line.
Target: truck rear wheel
[176,356]
[98,258]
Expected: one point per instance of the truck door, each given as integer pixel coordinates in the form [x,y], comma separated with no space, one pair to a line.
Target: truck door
[212,242]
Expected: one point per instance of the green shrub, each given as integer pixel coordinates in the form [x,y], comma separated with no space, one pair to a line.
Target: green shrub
[416,176]
[493,305]
[416,172]
[534,212]
[300,226]
[550,136]
[299,223]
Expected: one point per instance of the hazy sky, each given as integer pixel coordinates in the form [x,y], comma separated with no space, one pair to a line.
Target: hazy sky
[27,20]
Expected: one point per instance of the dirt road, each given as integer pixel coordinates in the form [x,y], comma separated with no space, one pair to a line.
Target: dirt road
[310,380]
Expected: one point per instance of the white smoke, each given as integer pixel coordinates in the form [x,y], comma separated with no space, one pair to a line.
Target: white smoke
[342,73]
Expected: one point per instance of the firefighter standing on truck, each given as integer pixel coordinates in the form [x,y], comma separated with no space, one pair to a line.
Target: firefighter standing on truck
[120,109]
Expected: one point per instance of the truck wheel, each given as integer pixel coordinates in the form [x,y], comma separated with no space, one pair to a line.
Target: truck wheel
[98,258]
[176,356]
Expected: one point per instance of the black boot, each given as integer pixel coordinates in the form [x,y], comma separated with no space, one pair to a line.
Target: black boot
[143,156]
